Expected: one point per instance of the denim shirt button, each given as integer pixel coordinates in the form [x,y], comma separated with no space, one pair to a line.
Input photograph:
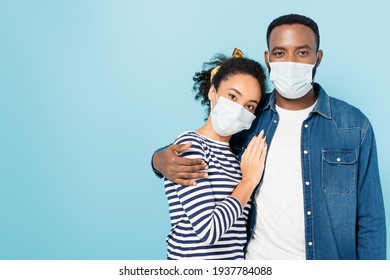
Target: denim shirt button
[308,213]
[307,183]
[305,152]
[306,125]
[310,243]
[338,159]
[275,121]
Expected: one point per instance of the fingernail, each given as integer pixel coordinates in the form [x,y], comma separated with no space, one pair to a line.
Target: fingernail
[261,132]
[205,175]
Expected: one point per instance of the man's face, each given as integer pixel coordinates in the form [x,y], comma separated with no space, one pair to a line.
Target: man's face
[293,43]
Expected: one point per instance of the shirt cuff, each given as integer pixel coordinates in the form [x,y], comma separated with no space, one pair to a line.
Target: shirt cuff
[235,206]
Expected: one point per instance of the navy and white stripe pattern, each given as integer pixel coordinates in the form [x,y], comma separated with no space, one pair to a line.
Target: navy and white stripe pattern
[207,223]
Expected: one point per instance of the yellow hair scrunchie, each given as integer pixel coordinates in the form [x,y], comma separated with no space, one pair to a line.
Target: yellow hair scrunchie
[236,53]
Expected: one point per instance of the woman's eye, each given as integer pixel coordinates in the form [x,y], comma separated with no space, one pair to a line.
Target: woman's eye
[250,107]
[232,97]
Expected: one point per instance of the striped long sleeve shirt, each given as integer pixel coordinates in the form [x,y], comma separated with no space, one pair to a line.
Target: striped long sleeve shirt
[207,223]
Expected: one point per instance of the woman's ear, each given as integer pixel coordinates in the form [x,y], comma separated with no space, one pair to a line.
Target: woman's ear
[212,96]
[212,93]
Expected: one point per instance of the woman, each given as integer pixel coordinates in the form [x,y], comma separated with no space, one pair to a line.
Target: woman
[209,220]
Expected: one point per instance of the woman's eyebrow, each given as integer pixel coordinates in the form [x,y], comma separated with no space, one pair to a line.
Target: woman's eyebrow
[235,90]
[240,94]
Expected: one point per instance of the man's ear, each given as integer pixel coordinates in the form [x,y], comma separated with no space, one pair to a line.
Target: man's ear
[320,54]
[266,58]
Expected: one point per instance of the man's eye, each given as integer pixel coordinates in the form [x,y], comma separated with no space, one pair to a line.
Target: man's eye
[303,53]
[278,54]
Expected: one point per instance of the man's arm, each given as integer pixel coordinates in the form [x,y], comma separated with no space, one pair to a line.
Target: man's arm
[167,162]
[371,223]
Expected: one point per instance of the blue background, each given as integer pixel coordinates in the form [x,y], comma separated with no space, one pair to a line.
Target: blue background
[89,89]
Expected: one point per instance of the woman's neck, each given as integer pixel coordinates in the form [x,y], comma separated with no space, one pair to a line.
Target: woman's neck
[208,131]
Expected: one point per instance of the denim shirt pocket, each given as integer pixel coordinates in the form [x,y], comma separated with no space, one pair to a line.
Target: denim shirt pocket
[339,171]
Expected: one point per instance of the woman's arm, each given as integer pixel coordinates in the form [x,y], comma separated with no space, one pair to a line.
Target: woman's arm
[252,167]
[209,219]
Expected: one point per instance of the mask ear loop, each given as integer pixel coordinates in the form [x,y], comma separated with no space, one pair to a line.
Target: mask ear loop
[214,93]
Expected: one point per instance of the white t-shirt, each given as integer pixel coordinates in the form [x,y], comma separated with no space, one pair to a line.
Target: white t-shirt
[279,233]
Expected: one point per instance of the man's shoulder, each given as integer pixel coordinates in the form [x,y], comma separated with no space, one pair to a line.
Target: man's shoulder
[341,107]
[346,114]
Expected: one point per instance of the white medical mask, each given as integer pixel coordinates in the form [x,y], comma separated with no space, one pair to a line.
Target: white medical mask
[291,79]
[228,117]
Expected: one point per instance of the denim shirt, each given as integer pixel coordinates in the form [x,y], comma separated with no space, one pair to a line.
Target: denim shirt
[343,202]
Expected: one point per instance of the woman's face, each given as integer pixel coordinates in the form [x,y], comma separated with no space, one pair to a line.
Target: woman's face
[243,89]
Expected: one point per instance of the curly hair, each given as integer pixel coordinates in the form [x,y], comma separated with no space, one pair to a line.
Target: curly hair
[228,67]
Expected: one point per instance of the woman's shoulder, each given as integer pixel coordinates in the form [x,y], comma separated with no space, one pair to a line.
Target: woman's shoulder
[188,136]
[198,146]
[195,137]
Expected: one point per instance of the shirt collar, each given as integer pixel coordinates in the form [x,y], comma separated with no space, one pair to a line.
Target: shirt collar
[322,107]
[323,104]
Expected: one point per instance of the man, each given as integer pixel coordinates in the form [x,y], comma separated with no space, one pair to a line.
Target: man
[320,196]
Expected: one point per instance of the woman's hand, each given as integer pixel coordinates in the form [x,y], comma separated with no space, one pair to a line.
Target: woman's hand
[252,167]
[253,160]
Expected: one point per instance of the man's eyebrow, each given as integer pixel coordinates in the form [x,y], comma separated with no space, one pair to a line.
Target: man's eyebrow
[278,49]
[303,47]
[239,93]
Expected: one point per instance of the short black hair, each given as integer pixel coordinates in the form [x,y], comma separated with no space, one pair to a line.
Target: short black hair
[294,19]
[228,66]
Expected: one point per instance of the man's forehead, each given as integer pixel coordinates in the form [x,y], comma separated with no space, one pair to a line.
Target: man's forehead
[297,27]
[296,34]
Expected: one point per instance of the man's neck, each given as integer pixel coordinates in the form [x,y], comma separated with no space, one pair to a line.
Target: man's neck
[296,104]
